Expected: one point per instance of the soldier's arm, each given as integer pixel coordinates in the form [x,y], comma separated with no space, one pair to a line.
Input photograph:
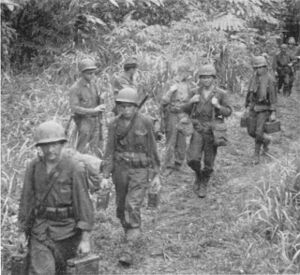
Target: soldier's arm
[166,99]
[225,109]
[107,164]
[75,104]
[152,147]
[272,95]
[82,204]
[27,200]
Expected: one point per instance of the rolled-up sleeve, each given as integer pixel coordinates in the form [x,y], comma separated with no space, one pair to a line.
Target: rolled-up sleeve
[82,204]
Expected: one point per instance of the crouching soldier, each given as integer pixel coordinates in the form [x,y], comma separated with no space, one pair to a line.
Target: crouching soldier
[55,210]
[260,105]
[207,105]
[131,158]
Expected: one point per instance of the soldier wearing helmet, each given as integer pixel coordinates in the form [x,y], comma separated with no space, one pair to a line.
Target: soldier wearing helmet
[282,67]
[55,210]
[260,105]
[87,105]
[126,78]
[208,105]
[177,123]
[131,158]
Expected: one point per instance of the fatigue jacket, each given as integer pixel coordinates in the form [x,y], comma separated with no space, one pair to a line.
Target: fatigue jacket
[84,97]
[175,100]
[262,94]
[69,189]
[281,60]
[140,139]
[121,81]
[203,113]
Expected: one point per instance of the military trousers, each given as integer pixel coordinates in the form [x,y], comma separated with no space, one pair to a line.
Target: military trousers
[202,148]
[131,186]
[256,123]
[42,258]
[89,135]
[285,81]
[175,141]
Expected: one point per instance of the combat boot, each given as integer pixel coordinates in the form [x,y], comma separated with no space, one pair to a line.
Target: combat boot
[202,190]
[126,258]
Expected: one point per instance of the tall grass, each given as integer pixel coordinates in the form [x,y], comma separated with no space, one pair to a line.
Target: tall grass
[274,213]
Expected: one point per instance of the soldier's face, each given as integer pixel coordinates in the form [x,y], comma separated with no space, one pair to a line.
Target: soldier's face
[52,151]
[206,80]
[127,109]
[88,75]
[261,70]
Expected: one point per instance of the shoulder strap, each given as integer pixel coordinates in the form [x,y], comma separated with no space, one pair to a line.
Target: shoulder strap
[128,128]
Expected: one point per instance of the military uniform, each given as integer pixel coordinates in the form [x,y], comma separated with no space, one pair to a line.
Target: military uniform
[202,140]
[55,232]
[261,99]
[133,161]
[84,97]
[174,117]
[284,71]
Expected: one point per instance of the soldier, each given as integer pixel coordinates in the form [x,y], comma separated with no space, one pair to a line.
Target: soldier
[126,78]
[208,104]
[132,159]
[86,106]
[55,210]
[260,104]
[172,103]
[282,68]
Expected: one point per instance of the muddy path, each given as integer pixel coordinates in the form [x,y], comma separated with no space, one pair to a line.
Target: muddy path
[191,235]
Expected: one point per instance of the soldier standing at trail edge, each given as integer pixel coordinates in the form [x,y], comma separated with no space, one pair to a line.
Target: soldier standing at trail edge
[86,106]
[207,105]
[172,102]
[131,158]
[260,104]
[55,210]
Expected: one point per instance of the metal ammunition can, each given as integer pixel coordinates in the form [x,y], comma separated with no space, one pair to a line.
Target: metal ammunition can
[87,265]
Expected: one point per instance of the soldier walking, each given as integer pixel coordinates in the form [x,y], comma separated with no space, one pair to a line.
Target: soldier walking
[131,158]
[260,104]
[175,119]
[207,105]
[86,105]
[282,67]
[55,210]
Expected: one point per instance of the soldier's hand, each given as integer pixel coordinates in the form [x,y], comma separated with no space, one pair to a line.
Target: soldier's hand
[84,247]
[215,102]
[273,116]
[155,183]
[22,242]
[100,108]
[105,183]
[173,88]
[195,99]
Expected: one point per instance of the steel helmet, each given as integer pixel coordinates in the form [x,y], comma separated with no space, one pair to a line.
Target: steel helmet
[49,131]
[291,40]
[259,61]
[129,95]
[87,64]
[131,61]
[283,46]
[208,69]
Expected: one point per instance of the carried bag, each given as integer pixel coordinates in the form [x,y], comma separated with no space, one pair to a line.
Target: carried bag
[87,264]
[271,127]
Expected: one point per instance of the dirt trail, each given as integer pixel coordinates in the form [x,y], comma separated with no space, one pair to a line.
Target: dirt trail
[191,235]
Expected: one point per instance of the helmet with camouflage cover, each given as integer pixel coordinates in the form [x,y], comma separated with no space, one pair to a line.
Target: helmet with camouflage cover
[283,46]
[207,70]
[48,132]
[87,64]
[130,63]
[129,95]
[259,61]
